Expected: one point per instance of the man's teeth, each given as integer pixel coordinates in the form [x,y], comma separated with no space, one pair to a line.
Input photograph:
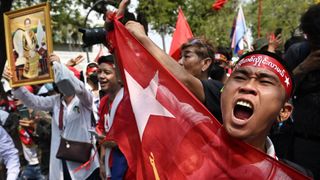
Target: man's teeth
[244,103]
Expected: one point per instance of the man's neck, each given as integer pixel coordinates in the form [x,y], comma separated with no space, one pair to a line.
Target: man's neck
[204,76]
[112,94]
[258,143]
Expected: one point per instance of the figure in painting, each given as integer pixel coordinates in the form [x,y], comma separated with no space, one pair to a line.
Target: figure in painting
[30,51]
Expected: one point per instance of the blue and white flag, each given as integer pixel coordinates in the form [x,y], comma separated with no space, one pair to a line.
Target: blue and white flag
[239,32]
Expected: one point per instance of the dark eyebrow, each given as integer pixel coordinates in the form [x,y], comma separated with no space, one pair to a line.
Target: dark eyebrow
[242,71]
[260,74]
[269,76]
[186,52]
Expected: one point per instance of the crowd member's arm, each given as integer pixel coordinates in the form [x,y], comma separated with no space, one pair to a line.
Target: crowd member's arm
[10,155]
[75,61]
[33,101]
[82,93]
[191,82]
[103,174]
[311,63]
[3,116]
[274,43]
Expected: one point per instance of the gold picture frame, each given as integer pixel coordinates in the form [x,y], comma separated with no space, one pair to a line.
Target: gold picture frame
[28,43]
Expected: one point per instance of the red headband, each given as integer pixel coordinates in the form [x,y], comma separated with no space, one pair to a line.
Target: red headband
[91,70]
[220,57]
[267,62]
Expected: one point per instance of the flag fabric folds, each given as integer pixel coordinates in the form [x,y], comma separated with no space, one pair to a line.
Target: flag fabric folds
[238,32]
[166,133]
[218,4]
[181,35]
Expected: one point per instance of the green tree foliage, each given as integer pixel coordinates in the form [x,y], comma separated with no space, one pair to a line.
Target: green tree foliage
[216,25]
[283,14]
[161,13]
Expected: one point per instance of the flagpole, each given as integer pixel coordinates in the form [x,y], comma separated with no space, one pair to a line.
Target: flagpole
[163,41]
[259,17]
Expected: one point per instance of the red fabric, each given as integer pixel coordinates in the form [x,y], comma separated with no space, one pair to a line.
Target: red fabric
[75,71]
[24,135]
[191,144]
[29,88]
[218,4]
[91,70]
[180,35]
[103,109]
[61,116]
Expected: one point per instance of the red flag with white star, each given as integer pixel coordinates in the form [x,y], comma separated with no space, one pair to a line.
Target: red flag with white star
[181,35]
[166,133]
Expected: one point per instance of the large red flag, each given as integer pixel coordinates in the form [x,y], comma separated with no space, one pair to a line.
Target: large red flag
[180,35]
[218,4]
[166,133]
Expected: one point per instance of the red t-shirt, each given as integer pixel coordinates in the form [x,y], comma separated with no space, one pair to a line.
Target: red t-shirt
[103,110]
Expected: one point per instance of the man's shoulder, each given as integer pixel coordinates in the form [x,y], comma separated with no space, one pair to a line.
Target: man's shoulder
[211,83]
[296,54]
[297,167]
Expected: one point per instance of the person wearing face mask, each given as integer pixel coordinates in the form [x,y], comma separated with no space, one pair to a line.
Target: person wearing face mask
[220,67]
[71,119]
[92,84]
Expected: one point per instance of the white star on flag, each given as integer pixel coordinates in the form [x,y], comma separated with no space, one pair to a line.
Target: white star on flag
[144,102]
[287,81]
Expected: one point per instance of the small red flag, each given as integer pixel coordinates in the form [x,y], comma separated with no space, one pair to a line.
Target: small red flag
[166,133]
[180,35]
[218,4]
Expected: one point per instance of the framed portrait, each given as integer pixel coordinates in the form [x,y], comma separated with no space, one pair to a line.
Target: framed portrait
[29,41]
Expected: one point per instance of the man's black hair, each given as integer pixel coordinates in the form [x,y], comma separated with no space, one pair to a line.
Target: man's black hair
[226,51]
[106,59]
[310,23]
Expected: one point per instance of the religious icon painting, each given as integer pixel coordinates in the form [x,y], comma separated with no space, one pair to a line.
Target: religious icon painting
[28,42]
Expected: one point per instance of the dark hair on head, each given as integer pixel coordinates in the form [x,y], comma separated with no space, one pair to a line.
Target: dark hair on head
[204,47]
[226,51]
[106,59]
[27,19]
[276,57]
[310,23]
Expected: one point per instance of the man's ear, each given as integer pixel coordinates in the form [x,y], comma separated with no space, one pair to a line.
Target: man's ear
[285,112]
[207,62]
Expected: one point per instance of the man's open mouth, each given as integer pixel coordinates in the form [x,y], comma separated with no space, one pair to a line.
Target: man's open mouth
[243,109]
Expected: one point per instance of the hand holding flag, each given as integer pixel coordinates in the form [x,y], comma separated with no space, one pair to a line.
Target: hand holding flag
[166,133]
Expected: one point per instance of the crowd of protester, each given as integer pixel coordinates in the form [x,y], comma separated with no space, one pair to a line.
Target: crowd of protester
[77,105]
